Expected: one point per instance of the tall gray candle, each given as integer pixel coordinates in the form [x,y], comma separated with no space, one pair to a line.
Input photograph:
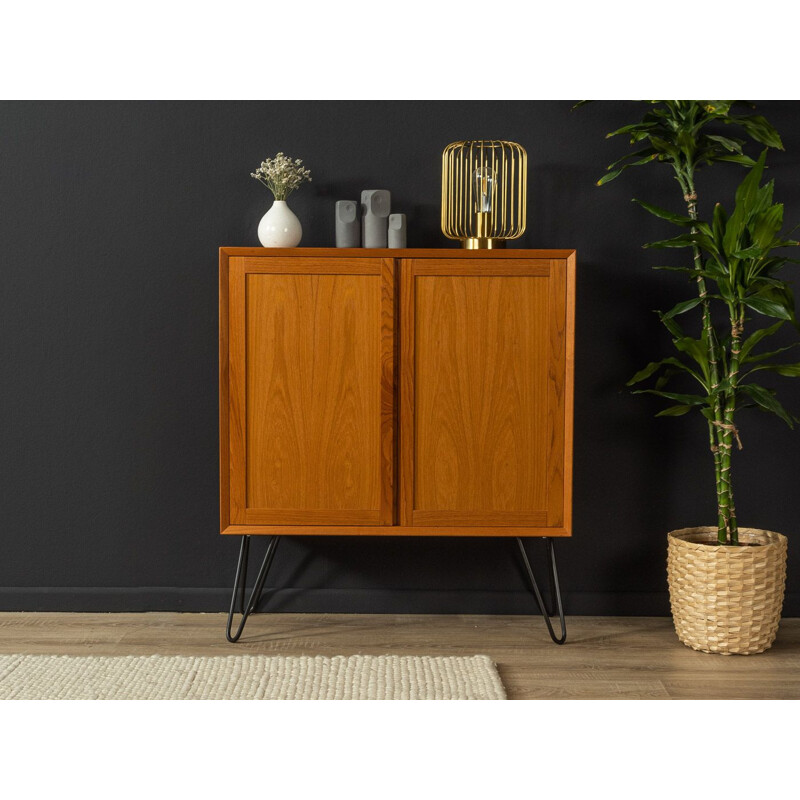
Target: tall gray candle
[397,230]
[374,225]
[348,226]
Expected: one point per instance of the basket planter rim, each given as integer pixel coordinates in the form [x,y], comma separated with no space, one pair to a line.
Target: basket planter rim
[704,536]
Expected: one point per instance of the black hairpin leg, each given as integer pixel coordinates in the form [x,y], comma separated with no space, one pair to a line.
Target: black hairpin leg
[555,591]
[241,581]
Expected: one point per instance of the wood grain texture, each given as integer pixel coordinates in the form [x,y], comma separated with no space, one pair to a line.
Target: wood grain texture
[532,267]
[311,266]
[417,529]
[312,517]
[224,394]
[406,404]
[399,253]
[237,388]
[604,657]
[499,518]
[569,389]
[480,390]
[556,374]
[313,393]
[311,366]
[497,508]
[388,400]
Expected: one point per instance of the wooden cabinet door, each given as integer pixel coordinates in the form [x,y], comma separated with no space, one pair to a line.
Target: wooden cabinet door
[486,393]
[310,394]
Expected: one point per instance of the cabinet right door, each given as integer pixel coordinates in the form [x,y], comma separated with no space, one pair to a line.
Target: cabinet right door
[486,394]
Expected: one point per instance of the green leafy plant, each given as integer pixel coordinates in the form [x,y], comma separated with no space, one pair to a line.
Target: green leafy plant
[735,264]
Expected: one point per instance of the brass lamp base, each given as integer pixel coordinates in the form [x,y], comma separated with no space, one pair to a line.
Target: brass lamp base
[481,243]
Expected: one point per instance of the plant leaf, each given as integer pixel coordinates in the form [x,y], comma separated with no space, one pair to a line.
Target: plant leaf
[683,240]
[767,226]
[664,146]
[737,159]
[764,356]
[787,370]
[648,152]
[765,399]
[614,173]
[767,307]
[654,366]
[696,350]
[608,177]
[733,145]
[682,308]
[677,219]
[748,252]
[701,238]
[674,411]
[719,221]
[755,338]
[665,376]
[747,192]
[684,399]
[687,144]
[691,270]
[759,129]
[645,373]
[671,325]
[636,126]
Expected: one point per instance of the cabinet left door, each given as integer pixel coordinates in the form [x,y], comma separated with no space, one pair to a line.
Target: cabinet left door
[306,391]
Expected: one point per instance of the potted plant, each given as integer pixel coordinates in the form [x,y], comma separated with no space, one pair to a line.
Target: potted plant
[726,582]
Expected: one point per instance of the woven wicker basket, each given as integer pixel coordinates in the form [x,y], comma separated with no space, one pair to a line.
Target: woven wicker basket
[726,599]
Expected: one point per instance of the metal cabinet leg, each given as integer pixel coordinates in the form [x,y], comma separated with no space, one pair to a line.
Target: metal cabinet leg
[240,582]
[555,591]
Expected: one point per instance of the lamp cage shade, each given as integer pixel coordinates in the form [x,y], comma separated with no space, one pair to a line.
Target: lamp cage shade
[484,189]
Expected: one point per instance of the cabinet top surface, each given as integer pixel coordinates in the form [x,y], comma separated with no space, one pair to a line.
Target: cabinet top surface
[409,252]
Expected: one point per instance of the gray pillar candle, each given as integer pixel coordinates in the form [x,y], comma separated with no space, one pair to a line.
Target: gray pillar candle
[397,230]
[348,226]
[374,224]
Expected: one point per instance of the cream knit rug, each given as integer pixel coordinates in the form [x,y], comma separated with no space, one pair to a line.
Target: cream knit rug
[249,677]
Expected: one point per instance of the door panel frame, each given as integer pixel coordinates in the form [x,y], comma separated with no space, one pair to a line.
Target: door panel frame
[560,271]
[233,461]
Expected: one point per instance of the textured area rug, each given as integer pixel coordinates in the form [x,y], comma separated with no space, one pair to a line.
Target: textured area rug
[249,677]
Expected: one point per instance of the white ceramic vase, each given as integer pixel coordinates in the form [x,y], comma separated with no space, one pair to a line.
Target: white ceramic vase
[279,227]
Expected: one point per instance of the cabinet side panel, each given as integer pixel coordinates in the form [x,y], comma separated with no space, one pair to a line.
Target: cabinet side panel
[480,386]
[569,390]
[313,419]
[224,397]
[556,396]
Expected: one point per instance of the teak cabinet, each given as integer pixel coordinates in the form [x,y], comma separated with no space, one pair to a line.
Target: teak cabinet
[412,392]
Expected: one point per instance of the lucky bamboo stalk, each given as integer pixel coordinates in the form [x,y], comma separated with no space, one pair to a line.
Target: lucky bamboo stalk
[732,261]
[724,496]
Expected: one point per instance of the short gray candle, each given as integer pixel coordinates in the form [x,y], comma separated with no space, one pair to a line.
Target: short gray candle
[376,204]
[397,230]
[348,225]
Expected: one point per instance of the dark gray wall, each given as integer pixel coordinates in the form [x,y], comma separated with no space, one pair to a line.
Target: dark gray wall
[111,215]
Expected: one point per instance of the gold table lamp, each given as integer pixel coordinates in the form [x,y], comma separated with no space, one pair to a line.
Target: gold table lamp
[484,186]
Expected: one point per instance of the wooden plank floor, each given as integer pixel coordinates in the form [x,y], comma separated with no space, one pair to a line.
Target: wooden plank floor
[604,658]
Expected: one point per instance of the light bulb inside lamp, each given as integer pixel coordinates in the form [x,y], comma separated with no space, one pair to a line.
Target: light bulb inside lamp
[483,184]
